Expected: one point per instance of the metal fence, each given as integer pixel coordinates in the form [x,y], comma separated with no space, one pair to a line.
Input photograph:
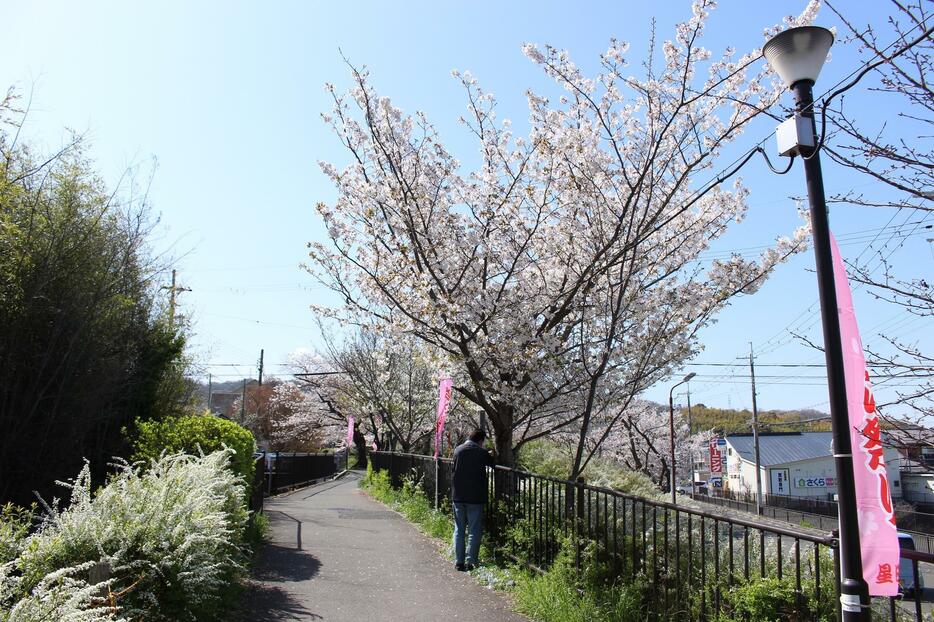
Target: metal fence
[923,542]
[910,520]
[686,563]
[285,471]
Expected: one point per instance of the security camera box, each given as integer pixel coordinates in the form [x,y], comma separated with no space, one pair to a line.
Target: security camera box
[793,134]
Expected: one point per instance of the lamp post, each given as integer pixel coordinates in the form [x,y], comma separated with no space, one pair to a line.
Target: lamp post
[797,56]
[671,433]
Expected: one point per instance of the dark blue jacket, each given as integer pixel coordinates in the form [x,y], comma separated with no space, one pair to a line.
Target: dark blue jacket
[468,483]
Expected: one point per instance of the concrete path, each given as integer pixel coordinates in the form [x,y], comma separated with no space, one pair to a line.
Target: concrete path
[359,561]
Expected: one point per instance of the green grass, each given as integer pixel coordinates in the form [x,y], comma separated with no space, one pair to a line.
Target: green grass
[562,594]
[257,530]
[410,501]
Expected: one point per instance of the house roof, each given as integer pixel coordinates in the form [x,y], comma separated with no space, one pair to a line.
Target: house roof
[782,447]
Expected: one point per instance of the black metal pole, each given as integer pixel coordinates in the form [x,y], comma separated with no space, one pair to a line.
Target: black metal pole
[671,440]
[853,589]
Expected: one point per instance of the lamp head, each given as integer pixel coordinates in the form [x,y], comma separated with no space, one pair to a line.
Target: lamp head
[798,54]
[689,376]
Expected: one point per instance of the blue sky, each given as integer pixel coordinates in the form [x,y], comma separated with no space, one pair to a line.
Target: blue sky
[220,102]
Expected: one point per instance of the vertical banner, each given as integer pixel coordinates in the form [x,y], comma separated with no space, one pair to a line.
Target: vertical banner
[350,431]
[444,396]
[716,462]
[877,534]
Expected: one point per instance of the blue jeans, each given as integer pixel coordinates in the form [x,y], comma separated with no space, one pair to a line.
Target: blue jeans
[468,521]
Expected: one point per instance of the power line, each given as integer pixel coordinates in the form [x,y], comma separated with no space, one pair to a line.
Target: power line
[711,364]
[249,364]
[845,239]
[246,319]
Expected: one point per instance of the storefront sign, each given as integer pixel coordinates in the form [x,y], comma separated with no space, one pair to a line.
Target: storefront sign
[779,482]
[716,458]
[814,482]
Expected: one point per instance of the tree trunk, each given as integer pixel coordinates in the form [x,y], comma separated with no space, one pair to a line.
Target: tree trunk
[501,421]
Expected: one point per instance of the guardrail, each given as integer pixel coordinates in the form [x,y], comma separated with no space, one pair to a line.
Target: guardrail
[690,560]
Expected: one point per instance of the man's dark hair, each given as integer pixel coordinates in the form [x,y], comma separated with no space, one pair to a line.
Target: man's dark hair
[478,435]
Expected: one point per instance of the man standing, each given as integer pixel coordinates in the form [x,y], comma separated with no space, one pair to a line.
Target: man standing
[468,493]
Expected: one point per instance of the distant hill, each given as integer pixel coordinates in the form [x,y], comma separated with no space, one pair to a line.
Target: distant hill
[728,420]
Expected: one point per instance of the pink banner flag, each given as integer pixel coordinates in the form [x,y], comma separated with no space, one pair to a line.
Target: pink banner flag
[350,431]
[444,396]
[877,533]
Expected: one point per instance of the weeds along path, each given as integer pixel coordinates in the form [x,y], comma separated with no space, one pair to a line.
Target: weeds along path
[358,560]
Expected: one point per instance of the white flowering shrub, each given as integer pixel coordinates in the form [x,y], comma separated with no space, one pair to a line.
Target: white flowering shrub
[171,533]
[60,595]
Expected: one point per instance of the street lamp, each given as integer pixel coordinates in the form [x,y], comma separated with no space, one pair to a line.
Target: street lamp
[671,433]
[797,56]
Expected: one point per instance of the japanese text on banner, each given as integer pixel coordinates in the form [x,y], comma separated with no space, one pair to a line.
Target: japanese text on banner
[877,534]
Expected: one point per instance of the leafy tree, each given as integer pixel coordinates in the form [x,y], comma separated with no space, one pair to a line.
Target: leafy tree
[84,347]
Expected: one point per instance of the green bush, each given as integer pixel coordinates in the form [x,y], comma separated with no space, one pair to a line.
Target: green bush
[195,435]
[771,599]
[562,595]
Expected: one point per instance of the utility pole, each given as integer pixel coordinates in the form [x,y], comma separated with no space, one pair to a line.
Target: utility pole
[755,431]
[690,415]
[259,390]
[173,290]
[690,433]
[210,394]
[261,368]
[243,403]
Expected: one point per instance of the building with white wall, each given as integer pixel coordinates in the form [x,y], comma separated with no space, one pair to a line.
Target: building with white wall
[797,464]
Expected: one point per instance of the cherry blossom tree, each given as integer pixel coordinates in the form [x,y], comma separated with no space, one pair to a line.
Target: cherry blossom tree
[389,386]
[564,269]
[639,438]
[392,383]
[284,417]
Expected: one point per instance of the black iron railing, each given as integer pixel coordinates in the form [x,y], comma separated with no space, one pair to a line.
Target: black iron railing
[923,541]
[690,563]
[285,471]
[911,520]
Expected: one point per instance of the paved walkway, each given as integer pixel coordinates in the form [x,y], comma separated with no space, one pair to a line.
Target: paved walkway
[358,561]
